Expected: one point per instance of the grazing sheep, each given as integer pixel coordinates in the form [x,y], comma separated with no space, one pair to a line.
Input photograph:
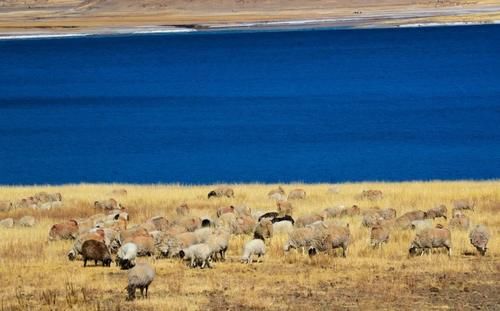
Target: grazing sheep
[145,245]
[97,251]
[379,235]
[219,243]
[198,254]
[140,277]
[64,231]
[244,225]
[227,221]
[133,232]
[263,230]
[479,237]
[371,195]
[282,227]
[438,211]
[463,205]
[7,223]
[299,238]
[283,218]
[77,246]
[333,211]
[460,221]
[203,234]
[415,215]
[6,206]
[183,210]
[371,220]
[118,192]
[225,210]
[270,215]
[430,238]
[387,213]
[125,258]
[305,220]
[253,247]
[297,194]
[221,192]
[173,245]
[242,210]
[27,221]
[330,238]
[50,205]
[109,204]
[284,208]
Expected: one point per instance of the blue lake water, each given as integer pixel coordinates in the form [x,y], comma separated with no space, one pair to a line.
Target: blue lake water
[313,106]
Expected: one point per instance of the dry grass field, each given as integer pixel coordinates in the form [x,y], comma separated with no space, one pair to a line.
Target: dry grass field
[36,275]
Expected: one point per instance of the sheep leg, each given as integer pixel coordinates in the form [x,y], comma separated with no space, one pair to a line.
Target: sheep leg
[147,291]
[142,291]
[192,263]
[208,263]
[85,262]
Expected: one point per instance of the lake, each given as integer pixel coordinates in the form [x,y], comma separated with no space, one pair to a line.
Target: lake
[270,106]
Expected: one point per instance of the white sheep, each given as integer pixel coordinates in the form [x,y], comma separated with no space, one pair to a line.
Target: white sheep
[198,254]
[219,243]
[282,227]
[126,255]
[253,247]
[140,277]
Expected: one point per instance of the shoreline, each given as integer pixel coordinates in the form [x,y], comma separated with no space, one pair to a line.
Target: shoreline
[292,25]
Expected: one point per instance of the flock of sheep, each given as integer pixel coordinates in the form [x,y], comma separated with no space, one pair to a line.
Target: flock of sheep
[202,240]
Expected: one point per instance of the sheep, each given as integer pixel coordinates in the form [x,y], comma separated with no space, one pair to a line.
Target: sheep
[182,210]
[297,194]
[50,205]
[172,246]
[330,238]
[198,254]
[225,210]
[438,211]
[97,251]
[415,215]
[125,258]
[282,227]
[263,230]
[308,219]
[430,238]
[7,223]
[64,231]
[284,208]
[253,247]
[140,276]
[333,211]
[387,213]
[219,243]
[109,204]
[145,245]
[119,192]
[379,235]
[463,205]
[133,232]
[202,234]
[77,246]
[460,221]
[269,215]
[157,236]
[244,225]
[371,220]
[371,195]
[221,192]
[6,206]
[242,210]
[27,221]
[299,238]
[479,237]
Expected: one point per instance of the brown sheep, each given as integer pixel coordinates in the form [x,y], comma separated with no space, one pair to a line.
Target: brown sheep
[77,246]
[371,195]
[182,210]
[438,211]
[119,192]
[297,194]
[221,192]
[331,238]
[305,220]
[284,208]
[277,194]
[64,231]
[244,225]
[263,230]
[225,210]
[190,223]
[463,205]
[159,223]
[141,276]
[379,235]
[97,251]
[351,211]
[109,204]
[6,206]
[387,213]
[431,238]
[145,244]
[133,232]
